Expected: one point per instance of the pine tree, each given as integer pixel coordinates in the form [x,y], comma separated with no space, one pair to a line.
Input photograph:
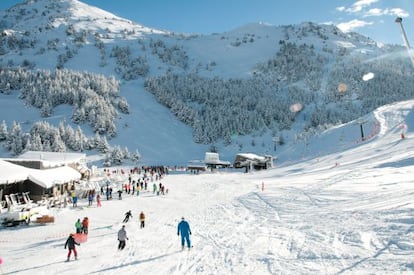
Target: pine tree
[117,155]
[57,145]
[15,140]
[136,156]
[3,131]
[36,142]
[103,145]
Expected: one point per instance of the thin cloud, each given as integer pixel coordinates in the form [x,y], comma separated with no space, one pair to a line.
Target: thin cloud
[364,9]
[399,12]
[352,25]
[380,12]
[342,8]
[360,4]
[375,12]
[357,6]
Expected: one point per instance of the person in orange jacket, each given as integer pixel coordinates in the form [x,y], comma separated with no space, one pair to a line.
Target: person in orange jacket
[85,225]
[142,219]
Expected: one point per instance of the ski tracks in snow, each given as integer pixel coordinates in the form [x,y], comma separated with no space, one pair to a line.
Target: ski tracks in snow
[242,242]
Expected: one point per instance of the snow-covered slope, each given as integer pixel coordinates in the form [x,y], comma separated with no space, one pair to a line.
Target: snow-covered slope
[349,212]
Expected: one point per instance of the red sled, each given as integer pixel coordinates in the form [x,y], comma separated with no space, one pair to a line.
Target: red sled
[80,238]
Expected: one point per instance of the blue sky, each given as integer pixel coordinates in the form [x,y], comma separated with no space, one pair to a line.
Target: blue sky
[373,18]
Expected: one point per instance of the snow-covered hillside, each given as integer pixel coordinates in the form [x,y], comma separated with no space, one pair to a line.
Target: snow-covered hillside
[338,201]
[50,34]
[349,212]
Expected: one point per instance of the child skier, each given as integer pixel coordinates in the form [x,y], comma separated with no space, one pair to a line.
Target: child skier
[70,243]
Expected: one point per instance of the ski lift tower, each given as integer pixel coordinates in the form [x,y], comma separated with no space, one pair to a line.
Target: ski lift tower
[398,20]
[361,122]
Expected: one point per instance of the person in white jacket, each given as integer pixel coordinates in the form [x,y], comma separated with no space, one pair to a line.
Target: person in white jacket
[122,237]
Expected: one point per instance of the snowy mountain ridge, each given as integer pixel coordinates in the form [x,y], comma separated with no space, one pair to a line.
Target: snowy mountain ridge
[71,23]
[34,15]
[44,34]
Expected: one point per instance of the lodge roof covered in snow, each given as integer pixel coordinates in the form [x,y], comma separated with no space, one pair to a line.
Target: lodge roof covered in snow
[47,178]
[52,159]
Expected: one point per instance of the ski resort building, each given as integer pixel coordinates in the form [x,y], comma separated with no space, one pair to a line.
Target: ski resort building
[212,160]
[251,161]
[195,166]
[42,174]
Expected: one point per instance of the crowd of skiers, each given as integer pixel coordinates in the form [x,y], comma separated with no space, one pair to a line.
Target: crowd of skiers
[132,187]
[135,186]
[183,230]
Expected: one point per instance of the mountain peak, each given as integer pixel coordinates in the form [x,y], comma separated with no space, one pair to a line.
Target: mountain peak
[50,14]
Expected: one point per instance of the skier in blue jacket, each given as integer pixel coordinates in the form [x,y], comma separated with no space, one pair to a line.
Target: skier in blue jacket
[185,231]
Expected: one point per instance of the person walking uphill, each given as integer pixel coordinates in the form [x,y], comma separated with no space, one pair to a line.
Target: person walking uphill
[185,231]
[122,237]
[70,243]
